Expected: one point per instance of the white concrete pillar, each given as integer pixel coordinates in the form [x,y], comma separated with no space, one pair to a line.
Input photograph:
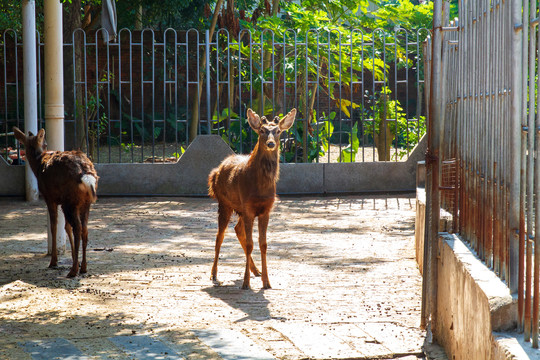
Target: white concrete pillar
[54,94]
[30,87]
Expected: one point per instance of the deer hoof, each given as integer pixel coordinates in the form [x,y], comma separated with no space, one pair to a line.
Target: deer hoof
[256,272]
[267,286]
[72,274]
[245,287]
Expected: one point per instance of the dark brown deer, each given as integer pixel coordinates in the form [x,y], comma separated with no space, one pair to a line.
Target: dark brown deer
[68,179]
[247,185]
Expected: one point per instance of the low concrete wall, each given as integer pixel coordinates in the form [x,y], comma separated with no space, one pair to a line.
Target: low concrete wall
[188,176]
[472,303]
[475,309]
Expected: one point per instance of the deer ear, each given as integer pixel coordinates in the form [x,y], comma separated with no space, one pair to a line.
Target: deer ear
[41,136]
[286,122]
[19,135]
[254,120]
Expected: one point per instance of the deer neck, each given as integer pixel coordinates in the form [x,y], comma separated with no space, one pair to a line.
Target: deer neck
[264,164]
[34,157]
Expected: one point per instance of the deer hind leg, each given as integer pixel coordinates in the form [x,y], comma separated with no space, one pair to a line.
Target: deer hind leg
[84,236]
[248,228]
[53,219]
[69,232]
[72,217]
[263,225]
[241,235]
[224,216]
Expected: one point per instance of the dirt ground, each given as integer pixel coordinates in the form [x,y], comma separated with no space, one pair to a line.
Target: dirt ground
[341,269]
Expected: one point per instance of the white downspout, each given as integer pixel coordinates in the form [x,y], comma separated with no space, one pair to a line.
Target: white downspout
[30,88]
[54,95]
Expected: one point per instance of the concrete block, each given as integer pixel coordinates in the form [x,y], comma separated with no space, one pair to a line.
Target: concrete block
[373,176]
[11,179]
[300,179]
[188,176]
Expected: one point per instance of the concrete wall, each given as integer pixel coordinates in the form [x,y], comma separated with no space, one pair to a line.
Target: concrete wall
[189,175]
[472,303]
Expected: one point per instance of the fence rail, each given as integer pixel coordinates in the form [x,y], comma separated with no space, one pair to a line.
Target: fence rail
[138,98]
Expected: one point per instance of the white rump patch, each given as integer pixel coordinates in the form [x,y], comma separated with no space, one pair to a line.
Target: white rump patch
[89,181]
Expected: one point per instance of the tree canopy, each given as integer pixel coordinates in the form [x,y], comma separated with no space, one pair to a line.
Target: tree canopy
[186,14]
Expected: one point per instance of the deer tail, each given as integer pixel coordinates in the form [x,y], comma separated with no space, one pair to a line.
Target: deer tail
[91,182]
[212,183]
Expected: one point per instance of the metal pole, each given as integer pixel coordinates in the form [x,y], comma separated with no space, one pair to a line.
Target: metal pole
[30,88]
[435,131]
[515,166]
[54,94]
[208,105]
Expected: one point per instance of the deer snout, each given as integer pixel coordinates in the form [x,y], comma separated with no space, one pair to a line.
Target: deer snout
[271,144]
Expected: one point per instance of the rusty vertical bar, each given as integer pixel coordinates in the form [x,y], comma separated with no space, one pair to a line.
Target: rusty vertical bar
[515,161]
[524,314]
[432,160]
[536,298]
[424,311]
[489,139]
[482,127]
[496,131]
[530,161]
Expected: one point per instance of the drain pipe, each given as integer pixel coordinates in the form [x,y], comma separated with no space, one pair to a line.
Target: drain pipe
[30,88]
[54,96]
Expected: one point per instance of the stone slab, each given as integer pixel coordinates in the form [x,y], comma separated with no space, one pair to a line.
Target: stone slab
[143,347]
[50,349]
[232,345]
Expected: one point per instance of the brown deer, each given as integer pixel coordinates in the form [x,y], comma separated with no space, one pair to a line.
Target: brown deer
[65,178]
[247,185]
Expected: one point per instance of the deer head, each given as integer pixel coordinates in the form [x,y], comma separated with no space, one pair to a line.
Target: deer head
[36,144]
[269,131]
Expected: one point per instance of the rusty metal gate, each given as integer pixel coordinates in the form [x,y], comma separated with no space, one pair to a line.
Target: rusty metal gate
[486,123]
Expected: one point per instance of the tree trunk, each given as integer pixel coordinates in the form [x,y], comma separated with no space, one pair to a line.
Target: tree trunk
[267,62]
[384,137]
[383,141]
[195,104]
[73,104]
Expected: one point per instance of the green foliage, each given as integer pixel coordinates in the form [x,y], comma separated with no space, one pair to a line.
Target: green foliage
[10,16]
[404,134]
[162,14]
[318,140]
[403,14]
[348,154]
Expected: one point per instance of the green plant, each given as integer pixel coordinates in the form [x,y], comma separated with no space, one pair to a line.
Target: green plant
[348,154]
[318,140]
[386,125]
[182,151]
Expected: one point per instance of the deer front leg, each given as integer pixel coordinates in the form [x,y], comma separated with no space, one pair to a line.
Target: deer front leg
[263,225]
[248,228]
[241,235]
[53,219]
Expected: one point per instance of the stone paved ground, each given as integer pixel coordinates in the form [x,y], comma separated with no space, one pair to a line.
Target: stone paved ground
[345,283]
